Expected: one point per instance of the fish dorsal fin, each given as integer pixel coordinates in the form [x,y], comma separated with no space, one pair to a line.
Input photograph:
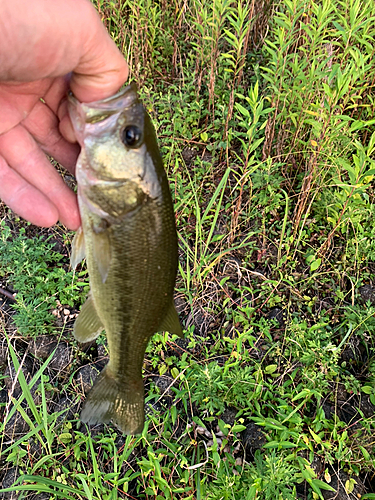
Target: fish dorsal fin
[102,252]
[88,325]
[170,322]
[78,248]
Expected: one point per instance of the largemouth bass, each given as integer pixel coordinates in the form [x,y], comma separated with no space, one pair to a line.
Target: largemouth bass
[129,239]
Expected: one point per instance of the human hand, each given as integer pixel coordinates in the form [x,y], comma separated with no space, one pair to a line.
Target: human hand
[45,48]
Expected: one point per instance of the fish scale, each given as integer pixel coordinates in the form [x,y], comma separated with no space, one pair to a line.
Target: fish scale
[129,239]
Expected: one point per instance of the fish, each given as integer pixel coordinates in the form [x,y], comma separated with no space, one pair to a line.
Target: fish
[128,236]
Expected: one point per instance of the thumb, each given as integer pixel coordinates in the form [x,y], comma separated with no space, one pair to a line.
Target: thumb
[101,71]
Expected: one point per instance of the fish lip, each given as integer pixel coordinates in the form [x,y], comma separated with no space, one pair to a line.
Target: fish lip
[105,181]
[124,98]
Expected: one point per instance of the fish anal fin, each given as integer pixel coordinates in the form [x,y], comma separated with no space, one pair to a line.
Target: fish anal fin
[87,326]
[78,248]
[120,401]
[102,252]
[170,322]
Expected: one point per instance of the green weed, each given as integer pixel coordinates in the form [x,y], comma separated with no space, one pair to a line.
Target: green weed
[265,118]
[35,272]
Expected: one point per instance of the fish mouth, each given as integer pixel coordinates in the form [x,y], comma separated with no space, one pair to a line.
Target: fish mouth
[98,110]
[89,178]
[110,216]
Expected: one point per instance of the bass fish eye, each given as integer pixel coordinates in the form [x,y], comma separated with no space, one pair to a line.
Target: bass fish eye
[131,136]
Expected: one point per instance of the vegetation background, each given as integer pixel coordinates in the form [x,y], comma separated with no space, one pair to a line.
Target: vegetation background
[265,116]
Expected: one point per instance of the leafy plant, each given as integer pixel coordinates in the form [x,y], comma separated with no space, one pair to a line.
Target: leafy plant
[265,117]
[35,272]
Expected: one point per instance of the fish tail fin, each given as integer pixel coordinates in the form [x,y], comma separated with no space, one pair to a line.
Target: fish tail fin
[122,401]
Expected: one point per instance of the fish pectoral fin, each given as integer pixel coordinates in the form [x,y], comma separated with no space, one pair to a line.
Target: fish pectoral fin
[87,326]
[171,323]
[78,248]
[120,400]
[102,252]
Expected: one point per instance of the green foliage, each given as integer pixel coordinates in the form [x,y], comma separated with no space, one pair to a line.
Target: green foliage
[319,74]
[214,387]
[265,118]
[36,274]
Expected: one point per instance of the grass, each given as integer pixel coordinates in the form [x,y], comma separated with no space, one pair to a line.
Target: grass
[265,118]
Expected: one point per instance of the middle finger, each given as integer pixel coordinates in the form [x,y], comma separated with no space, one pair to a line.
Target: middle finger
[31,163]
